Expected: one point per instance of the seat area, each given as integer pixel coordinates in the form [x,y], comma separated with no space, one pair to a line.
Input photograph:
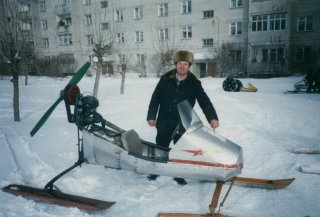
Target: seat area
[132,142]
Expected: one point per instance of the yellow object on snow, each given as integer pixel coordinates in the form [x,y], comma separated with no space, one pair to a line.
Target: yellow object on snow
[249,88]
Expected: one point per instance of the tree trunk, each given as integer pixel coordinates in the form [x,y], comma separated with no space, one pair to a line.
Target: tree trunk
[16,110]
[123,78]
[26,79]
[96,82]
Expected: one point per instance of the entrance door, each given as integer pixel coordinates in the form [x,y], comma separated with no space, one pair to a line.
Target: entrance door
[212,69]
[203,70]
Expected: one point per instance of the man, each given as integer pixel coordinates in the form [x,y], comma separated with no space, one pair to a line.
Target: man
[174,87]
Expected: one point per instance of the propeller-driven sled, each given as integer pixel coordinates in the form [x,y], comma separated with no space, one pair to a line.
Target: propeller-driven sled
[196,152]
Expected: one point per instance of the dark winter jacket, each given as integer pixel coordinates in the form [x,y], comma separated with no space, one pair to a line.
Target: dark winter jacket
[168,94]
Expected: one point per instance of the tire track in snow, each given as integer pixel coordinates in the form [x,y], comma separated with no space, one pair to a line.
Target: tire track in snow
[8,165]
[28,164]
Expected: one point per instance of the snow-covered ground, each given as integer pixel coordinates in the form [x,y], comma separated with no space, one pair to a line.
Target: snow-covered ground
[267,124]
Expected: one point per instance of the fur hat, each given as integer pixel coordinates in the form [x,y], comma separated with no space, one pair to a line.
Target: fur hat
[183,55]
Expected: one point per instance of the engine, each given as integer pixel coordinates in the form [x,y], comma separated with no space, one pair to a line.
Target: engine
[86,110]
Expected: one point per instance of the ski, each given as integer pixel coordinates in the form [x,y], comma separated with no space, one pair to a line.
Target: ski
[263,183]
[306,151]
[298,92]
[57,197]
[293,91]
[309,169]
[191,215]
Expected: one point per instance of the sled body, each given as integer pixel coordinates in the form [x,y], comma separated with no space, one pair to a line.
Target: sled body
[199,154]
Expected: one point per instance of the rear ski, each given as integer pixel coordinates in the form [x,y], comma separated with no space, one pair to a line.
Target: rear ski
[263,183]
[251,182]
[57,197]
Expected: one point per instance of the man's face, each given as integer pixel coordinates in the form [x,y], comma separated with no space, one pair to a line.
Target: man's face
[182,68]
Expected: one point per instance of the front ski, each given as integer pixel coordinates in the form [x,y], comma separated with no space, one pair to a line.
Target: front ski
[57,197]
[263,183]
[306,151]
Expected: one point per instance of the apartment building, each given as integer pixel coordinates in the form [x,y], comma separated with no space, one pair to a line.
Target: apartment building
[256,38]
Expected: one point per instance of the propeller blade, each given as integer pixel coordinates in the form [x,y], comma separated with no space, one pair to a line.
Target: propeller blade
[73,81]
[45,117]
[79,74]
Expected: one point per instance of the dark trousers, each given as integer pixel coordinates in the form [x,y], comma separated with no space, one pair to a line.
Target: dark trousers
[164,133]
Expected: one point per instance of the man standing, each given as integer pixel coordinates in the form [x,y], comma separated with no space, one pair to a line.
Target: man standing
[174,87]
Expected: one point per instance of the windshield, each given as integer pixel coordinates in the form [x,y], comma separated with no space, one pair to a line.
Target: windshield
[188,116]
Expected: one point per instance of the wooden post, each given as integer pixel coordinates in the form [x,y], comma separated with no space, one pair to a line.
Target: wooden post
[215,197]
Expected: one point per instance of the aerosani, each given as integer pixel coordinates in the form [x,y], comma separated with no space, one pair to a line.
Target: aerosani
[196,152]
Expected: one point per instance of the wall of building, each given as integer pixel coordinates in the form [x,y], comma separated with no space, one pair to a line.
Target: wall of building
[268,52]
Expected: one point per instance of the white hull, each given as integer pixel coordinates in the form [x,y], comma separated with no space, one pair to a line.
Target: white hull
[199,153]
[204,161]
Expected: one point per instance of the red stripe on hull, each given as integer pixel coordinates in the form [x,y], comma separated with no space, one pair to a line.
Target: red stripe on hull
[201,163]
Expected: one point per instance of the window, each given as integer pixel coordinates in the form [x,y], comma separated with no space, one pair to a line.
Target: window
[61,2]
[46,59]
[89,39]
[137,13]
[272,55]
[265,56]
[120,37]
[45,42]
[163,10]
[304,23]
[44,24]
[208,14]
[208,42]
[88,20]
[163,34]
[86,2]
[104,4]
[139,37]
[105,26]
[303,54]
[187,32]
[259,23]
[66,58]
[186,7]
[68,21]
[141,59]
[235,56]
[278,21]
[65,39]
[276,54]
[122,58]
[235,3]
[30,42]
[269,22]
[236,28]
[119,15]
[42,6]
[25,26]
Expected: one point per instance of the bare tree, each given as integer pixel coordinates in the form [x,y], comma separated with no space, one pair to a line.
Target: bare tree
[15,43]
[230,59]
[100,35]
[165,43]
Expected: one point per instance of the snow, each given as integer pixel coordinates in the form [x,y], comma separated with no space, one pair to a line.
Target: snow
[267,124]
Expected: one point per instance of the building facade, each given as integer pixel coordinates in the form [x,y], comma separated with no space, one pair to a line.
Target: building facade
[255,38]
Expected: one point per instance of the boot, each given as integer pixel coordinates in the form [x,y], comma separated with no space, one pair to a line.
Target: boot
[180,181]
[152,177]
